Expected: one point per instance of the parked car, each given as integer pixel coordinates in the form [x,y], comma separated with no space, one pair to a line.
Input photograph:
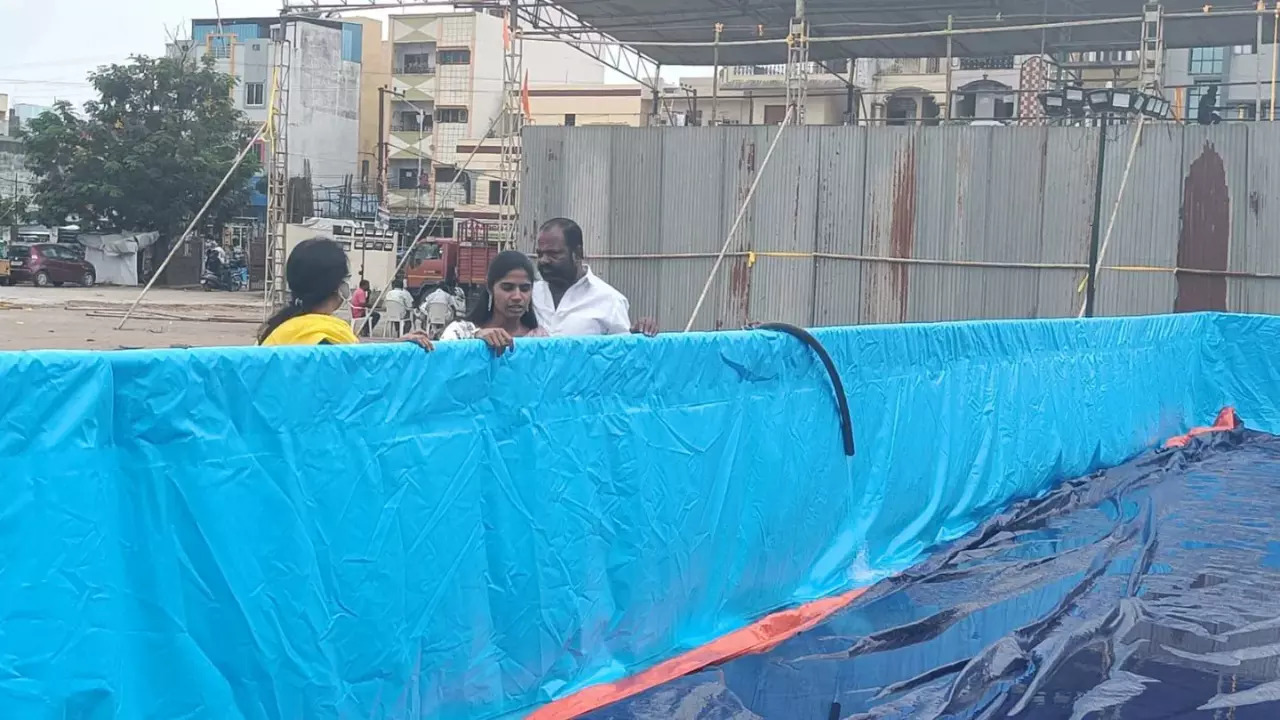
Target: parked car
[48,264]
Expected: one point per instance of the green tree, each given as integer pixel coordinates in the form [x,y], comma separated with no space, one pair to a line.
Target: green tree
[15,210]
[144,155]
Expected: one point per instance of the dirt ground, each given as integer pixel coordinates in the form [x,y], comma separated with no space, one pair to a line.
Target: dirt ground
[86,318]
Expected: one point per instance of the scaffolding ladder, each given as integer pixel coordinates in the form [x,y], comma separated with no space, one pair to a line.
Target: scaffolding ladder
[278,176]
[1151,52]
[509,130]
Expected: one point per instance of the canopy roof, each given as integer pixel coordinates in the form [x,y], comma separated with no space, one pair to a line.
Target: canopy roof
[648,25]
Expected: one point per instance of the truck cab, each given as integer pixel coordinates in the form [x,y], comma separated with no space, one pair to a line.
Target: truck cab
[464,259]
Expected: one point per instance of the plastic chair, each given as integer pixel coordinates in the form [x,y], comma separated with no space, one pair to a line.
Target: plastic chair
[397,317]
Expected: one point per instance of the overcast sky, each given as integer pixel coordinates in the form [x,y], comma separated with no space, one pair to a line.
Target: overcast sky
[48,46]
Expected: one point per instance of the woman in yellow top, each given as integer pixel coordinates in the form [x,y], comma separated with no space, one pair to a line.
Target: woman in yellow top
[317,271]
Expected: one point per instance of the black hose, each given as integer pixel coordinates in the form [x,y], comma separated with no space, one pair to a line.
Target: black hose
[842,403]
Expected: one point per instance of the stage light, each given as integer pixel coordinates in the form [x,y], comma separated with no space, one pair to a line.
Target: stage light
[1054,103]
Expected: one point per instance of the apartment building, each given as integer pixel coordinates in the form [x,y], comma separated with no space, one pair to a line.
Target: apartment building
[325,69]
[448,72]
[1242,72]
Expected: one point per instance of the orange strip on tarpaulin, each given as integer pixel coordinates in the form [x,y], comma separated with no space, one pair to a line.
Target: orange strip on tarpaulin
[1227,420]
[760,636]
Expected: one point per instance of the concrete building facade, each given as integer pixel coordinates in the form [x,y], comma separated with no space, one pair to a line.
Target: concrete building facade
[324,96]
[449,70]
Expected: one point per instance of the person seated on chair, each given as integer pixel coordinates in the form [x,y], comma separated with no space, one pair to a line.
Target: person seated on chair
[506,311]
[317,275]
[360,301]
[401,299]
[438,310]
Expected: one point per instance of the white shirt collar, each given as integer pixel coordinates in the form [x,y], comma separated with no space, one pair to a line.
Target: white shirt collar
[589,307]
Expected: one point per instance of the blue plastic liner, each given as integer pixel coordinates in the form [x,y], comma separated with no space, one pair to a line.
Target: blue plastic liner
[1146,591]
[375,532]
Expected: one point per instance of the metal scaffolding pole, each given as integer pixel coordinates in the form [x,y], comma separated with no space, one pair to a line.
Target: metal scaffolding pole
[273,294]
[1275,57]
[715,77]
[1151,60]
[950,55]
[798,64]
[1257,65]
[511,126]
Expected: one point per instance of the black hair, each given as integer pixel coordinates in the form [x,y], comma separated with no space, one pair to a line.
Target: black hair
[505,262]
[398,284]
[316,269]
[571,231]
[364,285]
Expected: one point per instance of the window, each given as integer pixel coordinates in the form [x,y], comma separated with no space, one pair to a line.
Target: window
[1193,99]
[1242,49]
[408,179]
[495,192]
[451,115]
[254,95]
[453,57]
[417,64]
[774,114]
[1207,61]
[364,171]
[570,119]
[407,121]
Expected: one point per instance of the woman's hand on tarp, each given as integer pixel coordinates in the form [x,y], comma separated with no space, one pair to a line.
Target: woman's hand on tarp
[498,340]
[419,338]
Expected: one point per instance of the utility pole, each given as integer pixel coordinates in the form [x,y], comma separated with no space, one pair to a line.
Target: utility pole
[691,93]
[383,146]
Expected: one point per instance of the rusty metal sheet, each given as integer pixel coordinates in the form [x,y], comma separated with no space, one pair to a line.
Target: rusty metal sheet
[691,222]
[889,221]
[1215,193]
[1259,252]
[839,227]
[636,179]
[783,234]
[1147,225]
[1066,211]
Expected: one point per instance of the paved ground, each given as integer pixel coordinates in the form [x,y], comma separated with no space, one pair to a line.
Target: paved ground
[64,318]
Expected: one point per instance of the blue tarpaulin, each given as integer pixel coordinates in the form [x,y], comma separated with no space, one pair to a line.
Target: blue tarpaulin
[376,532]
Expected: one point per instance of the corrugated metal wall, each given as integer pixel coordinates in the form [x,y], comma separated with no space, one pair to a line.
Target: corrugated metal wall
[872,225]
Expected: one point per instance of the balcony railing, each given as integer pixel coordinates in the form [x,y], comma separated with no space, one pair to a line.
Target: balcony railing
[909,66]
[998,62]
[411,127]
[415,68]
[740,71]
[1102,58]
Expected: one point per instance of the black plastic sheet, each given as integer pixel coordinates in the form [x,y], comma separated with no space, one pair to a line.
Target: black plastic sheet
[1150,590]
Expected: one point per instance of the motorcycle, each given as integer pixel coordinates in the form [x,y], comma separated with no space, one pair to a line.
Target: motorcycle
[229,279]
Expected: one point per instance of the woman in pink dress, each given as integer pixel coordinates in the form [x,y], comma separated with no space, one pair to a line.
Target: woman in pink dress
[506,310]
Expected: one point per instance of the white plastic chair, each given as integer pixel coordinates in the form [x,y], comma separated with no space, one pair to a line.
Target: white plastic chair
[398,316]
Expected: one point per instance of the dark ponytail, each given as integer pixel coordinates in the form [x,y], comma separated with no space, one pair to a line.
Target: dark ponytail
[316,270]
[503,263]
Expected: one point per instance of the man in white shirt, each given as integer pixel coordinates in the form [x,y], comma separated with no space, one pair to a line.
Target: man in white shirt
[400,299]
[438,310]
[570,299]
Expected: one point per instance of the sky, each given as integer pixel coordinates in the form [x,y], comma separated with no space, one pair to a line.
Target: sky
[47,47]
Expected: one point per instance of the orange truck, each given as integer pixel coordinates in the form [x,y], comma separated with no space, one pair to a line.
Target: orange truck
[464,259]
